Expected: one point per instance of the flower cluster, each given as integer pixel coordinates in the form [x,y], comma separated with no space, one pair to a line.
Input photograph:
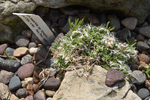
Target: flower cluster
[88,45]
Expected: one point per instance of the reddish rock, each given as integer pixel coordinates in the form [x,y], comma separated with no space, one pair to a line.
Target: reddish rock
[26,71]
[144,58]
[113,76]
[3,47]
[52,83]
[22,93]
[40,95]
[5,76]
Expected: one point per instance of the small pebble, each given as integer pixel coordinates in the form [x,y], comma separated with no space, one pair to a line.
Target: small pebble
[52,83]
[50,93]
[5,76]
[94,20]
[4,91]
[29,98]
[20,51]
[143,57]
[40,95]
[26,59]
[145,31]
[129,23]
[3,47]
[21,93]
[26,81]
[139,77]
[9,51]
[142,45]
[33,50]
[143,93]
[140,38]
[25,71]
[32,44]
[13,97]
[21,41]
[14,83]
[113,76]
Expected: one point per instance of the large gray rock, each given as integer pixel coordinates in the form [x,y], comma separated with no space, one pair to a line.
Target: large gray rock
[74,87]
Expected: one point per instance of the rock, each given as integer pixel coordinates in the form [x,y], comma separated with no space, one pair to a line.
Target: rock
[62,22]
[10,65]
[139,77]
[94,20]
[30,89]
[26,59]
[52,83]
[33,50]
[147,98]
[21,93]
[140,38]
[40,55]
[148,42]
[5,76]
[9,51]
[143,57]
[21,41]
[143,65]
[54,15]
[147,84]
[14,83]
[145,31]
[26,81]
[4,91]
[49,98]
[29,98]
[13,97]
[49,93]
[69,11]
[113,76]
[40,95]
[123,34]
[20,51]
[129,23]
[114,21]
[3,47]
[143,93]
[32,44]
[80,88]
[142,45]
[41,11]
[27,33]
[25,71]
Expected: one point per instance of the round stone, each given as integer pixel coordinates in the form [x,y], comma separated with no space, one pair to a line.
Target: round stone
[143,93]
[14,83]
[21,93]
[143,57]
[50,93]
[142,45]
[40,95]
[26,71]
[139,76]
[9,51]
[21,41]
[32,44]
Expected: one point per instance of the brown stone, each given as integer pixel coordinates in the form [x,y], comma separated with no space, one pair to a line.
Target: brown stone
[20,51]
[143,57]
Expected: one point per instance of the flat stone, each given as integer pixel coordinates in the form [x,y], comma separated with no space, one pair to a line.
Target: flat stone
[4,91]
[114,21]
[26,59]
[142,45]
[25,71]
[113,76]
[129,23]
[9,51]
[3,47]
[5,76]
[40,95]
[20,51]
[14,83]
[139,77]
[143,57]
[10,65]
[52,83]
[21,41]
[145,31]
[143,93]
